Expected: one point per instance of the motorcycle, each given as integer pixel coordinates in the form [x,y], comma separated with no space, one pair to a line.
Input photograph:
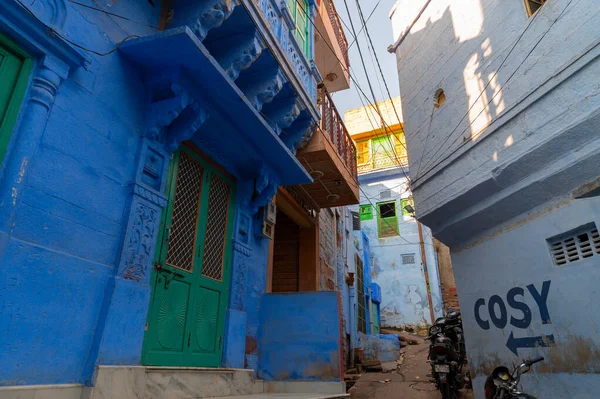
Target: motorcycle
[447,354]
[503,385]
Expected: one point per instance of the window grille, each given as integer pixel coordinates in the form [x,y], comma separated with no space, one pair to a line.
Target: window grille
[216,229]
[182,231]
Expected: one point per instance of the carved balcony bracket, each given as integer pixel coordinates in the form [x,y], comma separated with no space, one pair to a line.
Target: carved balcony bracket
[264,190]
[210,14]
[263,90]
[299,133]
[237,53]
[177,115]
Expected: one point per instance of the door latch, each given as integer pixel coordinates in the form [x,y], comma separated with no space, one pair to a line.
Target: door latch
[168,274]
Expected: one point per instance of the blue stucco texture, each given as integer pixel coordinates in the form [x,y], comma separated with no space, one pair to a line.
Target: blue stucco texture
[382,347]
[82,184]
[118,348]
[235,339]
[300,337]
[49,305]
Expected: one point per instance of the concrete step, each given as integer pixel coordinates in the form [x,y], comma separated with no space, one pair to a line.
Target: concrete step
[172,382]
[114,382]
[289,396]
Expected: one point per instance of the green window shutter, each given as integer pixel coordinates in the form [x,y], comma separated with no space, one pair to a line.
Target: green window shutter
[300,11]
[387,227]
[15,67]
[387,219]
[366,212]
[407,201]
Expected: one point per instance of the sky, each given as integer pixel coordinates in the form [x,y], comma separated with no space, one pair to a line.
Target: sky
[380,29]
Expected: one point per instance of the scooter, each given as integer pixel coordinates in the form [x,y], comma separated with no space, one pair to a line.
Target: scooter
[502,385]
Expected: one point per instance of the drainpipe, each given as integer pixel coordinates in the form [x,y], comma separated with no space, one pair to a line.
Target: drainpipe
[424,261]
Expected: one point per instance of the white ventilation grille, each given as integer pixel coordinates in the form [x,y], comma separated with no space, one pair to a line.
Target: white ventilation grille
[408,259]
[575,245]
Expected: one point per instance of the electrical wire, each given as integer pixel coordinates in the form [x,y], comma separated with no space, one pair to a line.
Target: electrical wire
[370,41]
[433,163]
[51,31]
[361,91]
[367,76]
[362,17]
[108,13]
[395,229]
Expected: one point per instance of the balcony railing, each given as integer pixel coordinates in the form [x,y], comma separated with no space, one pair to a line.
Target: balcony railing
[333,124]
[282,26]
[383,161]
[337,27]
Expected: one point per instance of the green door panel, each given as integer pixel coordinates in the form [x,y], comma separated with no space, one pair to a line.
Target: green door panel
[205,334]
[170,306]
[15,68]
[186,320]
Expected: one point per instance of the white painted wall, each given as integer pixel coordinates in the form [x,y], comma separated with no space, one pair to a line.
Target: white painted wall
[520,257]
[547,84]
[510,184]
[403,286]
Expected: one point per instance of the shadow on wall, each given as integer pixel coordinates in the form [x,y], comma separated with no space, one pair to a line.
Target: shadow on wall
[469,81]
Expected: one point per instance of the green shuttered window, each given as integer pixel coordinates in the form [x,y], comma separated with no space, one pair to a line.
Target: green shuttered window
[301,13]
[387,219]
[366,212]
[15,68]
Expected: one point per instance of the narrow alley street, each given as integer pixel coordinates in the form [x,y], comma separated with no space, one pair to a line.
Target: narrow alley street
[409,380]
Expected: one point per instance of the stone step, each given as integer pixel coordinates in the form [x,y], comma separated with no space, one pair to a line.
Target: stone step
[192,382]
[289,396]
[172,382]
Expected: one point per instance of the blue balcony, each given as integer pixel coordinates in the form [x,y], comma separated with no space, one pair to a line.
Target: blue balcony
[232,72]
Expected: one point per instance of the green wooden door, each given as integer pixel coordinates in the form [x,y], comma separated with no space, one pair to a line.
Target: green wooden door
[374,319]
[192,269]
[15,68]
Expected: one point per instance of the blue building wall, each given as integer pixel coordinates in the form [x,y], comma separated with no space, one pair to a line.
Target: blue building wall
[63,223]
[301,337]
[81,187]
[382,347]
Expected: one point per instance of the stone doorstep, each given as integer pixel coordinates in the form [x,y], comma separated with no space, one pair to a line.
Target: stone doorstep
[123,382]
[74,391]
[61,391]
[289,396]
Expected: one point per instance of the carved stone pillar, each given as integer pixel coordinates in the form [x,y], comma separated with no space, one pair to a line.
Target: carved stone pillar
[241,270]
[27,136]
[131,286]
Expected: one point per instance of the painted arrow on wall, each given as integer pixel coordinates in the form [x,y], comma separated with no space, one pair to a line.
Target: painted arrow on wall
[528,342]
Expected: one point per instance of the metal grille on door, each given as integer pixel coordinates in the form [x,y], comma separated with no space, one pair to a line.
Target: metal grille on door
[182,236]
[216,228]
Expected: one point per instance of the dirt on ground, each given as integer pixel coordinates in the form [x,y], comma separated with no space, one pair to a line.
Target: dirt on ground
[407,379]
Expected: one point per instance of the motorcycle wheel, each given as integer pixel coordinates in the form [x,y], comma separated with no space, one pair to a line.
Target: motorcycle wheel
[446,391]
